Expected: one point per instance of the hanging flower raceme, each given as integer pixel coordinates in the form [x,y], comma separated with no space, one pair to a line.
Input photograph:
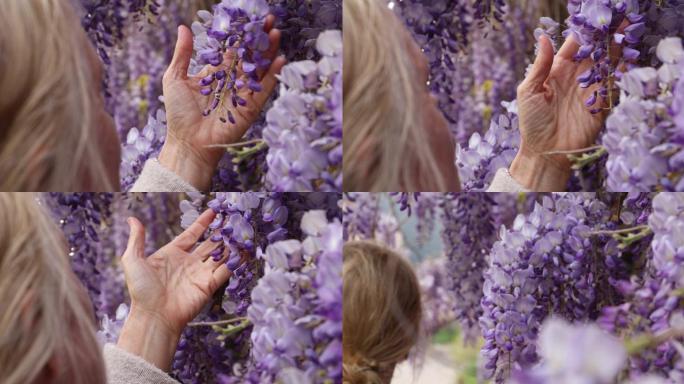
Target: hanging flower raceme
[267,236]
[233,43]
[468,235]
[361,213]
[104,21]
[438,299]
[572,353]
[297,309]
[304,126]
[542,265]
[140,146]
[483,157]
[652,305]
[81,217]
[595,26]
[643,134]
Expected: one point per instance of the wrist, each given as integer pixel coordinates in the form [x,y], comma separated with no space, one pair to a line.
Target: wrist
[187,164]
[150,336]
[540,173]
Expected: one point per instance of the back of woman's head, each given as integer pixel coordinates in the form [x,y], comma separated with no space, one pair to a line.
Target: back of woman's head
[50,104]
[47,331]
[386,143]
[382,312]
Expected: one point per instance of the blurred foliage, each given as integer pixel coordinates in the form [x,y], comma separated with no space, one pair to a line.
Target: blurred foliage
[466,355]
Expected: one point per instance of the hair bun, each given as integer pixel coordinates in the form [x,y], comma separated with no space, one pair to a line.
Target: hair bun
[359,374]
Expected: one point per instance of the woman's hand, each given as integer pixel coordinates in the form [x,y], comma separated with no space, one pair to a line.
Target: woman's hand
[167,289]
[554,118]
[187,150]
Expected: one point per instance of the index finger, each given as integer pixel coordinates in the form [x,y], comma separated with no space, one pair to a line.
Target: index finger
[190,236]
[569,48]
[269,23]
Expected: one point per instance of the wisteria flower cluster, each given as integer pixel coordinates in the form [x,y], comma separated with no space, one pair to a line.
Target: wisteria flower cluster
[302,22]
[484,156]
[360,212]
[650,316]
[643,134]
[104,21]
[233,35]
[594,24]
[637,340]
[640,136]
[579,287]
[140,145]
[259,232]
[539,266]
[437,298]
[268,236]
[81,216]
[297,308]
[469,75]
[467,235]
[304,126]
[426,209]
[570,354]
[136,41]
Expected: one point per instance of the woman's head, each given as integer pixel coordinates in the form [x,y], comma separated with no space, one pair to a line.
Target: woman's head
[395,137]
[47,330]
[382,312]
[54,131]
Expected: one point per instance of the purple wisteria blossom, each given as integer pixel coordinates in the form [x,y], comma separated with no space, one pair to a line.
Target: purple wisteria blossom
[468,235]
[484,156]
[232,41]
[643,137]
[575,353]
[594,24]
[542,265]
[361,212]
[297,308]
[276,246]
[304,126]
[140,146]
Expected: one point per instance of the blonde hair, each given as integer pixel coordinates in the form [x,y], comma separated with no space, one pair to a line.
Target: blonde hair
[382,312]
[45,315]
[385,142]
[48,100]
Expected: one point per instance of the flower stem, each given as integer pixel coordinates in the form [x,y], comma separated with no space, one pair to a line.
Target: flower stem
[213,323]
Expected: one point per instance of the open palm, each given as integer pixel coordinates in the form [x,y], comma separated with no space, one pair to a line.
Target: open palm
[175,282]
[553,114]
[197,139]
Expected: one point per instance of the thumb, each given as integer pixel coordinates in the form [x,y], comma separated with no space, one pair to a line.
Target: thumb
[182,55]
[542,65]
[136,240]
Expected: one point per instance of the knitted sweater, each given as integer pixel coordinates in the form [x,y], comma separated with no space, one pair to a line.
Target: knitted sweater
[126,368]
[504,182]
[156,178]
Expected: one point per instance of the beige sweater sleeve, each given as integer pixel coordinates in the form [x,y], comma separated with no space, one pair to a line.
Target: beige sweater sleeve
[126,368]
[155,178]
[504,182]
